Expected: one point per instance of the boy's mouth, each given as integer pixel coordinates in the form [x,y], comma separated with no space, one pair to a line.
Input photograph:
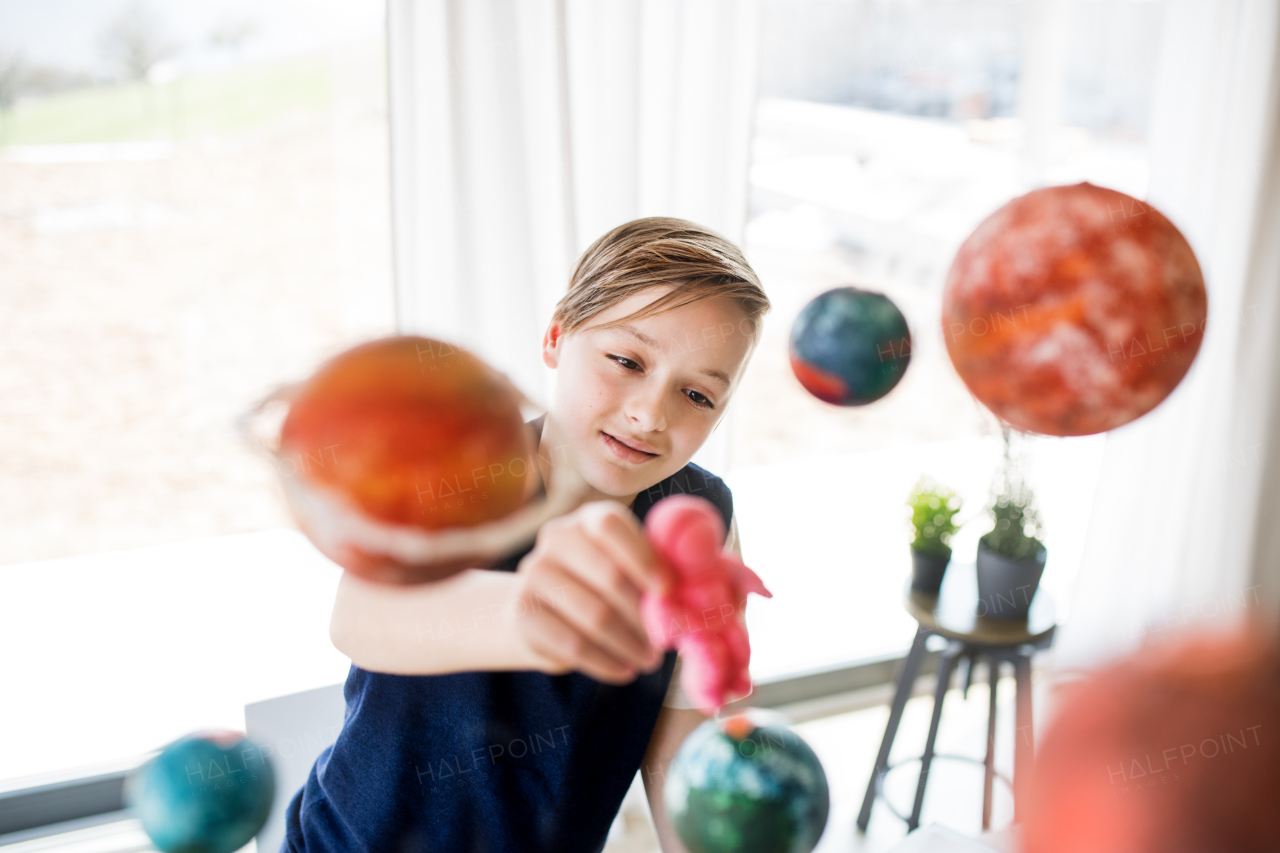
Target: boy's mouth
[625,451]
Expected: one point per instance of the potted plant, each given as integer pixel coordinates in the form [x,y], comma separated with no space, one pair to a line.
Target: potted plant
[933,508]
[1011,556]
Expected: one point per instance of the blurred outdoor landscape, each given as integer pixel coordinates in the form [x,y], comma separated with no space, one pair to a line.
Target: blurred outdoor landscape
[174,245]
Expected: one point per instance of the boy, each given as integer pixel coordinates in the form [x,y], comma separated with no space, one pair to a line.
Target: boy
[509,710]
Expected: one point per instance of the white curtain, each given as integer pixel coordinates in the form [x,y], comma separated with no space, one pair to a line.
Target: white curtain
[1182,530]
[522,130]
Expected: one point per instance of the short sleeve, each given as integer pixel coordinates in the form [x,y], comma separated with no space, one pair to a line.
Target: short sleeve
[676,697]
[731,541]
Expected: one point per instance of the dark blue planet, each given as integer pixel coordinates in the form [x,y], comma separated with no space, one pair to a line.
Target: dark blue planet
[850,347]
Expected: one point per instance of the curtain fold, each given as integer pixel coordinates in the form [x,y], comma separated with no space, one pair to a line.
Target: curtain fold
[1177,536]
[522,130]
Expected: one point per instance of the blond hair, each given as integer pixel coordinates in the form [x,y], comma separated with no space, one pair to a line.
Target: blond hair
[658,250]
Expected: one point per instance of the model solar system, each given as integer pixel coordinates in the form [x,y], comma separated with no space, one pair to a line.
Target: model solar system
[1071,310]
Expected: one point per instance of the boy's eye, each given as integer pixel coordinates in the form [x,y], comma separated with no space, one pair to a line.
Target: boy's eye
[620,359]
[701,400]
[698,399]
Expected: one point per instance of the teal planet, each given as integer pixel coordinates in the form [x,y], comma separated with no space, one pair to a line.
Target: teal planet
[208,792]
[850,347]
[738,787]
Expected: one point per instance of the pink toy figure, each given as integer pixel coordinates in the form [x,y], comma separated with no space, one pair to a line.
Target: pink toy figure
[699,614]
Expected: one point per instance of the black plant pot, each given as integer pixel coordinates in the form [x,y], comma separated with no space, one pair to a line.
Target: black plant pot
[927,570]
[1006,586]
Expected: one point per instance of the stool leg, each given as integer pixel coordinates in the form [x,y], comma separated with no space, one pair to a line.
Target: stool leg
[993,676]
[906,680]
[1024,742]
[945,663]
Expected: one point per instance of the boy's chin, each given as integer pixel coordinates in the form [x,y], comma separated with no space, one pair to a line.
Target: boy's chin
[613,483]
[610,479]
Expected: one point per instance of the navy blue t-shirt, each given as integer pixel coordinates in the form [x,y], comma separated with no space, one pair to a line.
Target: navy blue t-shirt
[486,762]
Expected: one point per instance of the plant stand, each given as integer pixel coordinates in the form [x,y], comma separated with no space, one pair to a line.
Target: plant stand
[952,614]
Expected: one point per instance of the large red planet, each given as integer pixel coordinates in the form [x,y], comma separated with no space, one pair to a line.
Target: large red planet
[1073,310]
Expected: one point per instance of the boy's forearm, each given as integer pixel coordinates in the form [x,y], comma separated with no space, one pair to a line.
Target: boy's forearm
[669,733]
[668,840]
[463,623]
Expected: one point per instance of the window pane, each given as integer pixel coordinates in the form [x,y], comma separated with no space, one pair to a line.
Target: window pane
[194,209]
[886,131]
[174,244]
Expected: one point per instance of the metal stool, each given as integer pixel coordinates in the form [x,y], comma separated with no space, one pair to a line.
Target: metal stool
[952,614]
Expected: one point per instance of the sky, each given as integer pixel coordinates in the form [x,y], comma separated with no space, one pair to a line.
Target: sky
[65,32]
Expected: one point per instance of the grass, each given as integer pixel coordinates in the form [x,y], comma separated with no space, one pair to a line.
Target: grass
[191,107]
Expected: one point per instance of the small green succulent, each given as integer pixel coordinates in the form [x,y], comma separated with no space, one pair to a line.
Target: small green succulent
[933,508]
[1015,522]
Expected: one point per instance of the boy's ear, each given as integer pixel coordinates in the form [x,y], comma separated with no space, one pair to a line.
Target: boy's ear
[551,341]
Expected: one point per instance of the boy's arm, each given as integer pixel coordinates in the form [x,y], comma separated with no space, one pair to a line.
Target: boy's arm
[572,604]
[673,726]
[462,623]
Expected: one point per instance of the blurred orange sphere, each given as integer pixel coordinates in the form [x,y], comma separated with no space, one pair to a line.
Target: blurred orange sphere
[410,431]
[1175,749]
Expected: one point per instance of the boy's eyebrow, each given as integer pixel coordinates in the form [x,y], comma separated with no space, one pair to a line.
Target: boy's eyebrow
[638,335]
[718,375]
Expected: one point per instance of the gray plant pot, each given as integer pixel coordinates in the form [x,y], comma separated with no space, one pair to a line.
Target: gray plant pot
[1005,586]
[927,571]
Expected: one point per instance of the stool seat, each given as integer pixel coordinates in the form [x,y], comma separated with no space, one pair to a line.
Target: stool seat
[955,614]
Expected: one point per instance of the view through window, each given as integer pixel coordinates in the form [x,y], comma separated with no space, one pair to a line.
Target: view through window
[885,132]
[194,209]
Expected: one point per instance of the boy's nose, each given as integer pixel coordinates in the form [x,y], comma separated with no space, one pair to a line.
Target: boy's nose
[647,409]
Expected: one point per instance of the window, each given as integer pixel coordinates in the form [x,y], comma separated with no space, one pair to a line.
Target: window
[194,208]
[885,132]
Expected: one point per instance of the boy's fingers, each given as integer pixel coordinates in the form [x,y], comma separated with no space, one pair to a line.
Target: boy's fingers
[553,639]
[594,566]
[584,610]
[615,531]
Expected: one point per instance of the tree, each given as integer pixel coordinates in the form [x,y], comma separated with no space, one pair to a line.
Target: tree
[12,66]
[134,41]
[232,35]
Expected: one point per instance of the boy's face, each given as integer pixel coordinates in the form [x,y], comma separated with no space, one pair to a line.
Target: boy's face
[648,387]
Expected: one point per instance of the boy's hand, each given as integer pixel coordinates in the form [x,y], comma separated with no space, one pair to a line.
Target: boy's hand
[580,588]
